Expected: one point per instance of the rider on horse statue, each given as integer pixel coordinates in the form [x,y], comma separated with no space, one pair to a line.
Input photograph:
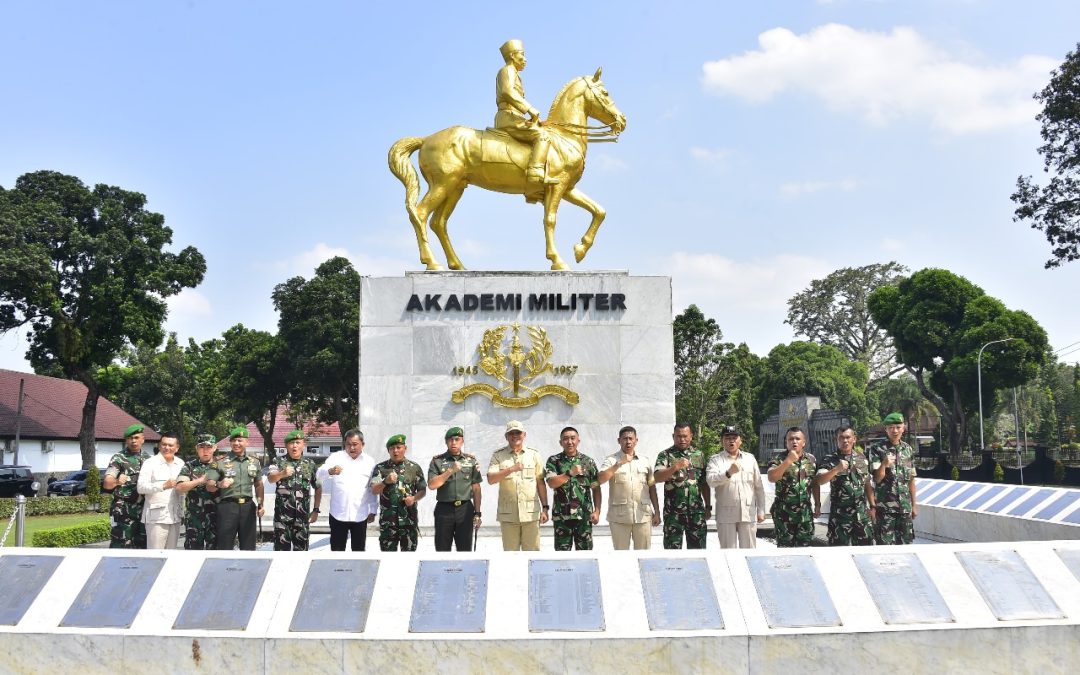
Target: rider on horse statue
[514,116]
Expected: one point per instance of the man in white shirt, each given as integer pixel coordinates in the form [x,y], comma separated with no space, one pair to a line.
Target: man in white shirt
[740,493]
[345,476]
[162,503]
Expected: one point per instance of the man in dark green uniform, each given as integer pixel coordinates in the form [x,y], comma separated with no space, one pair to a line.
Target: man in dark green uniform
[681,468]
[794,473]
[122,476]
[237,479]
[575,484]
[455,475]
[399,483]
[200,514]
[892,465]
[295,479]
[851,493]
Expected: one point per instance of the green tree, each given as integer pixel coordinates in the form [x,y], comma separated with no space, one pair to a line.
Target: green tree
[1055,207]
[88,272]
[814,370]
[938,321]
[901,394]
[320,324]
[834,311]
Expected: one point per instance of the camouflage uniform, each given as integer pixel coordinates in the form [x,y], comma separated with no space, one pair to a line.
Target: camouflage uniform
[292,504]
[894,523]
[573,501]
[792,511]
[397,522]
[684,506]
[200,516]
[849,515]
[125,512]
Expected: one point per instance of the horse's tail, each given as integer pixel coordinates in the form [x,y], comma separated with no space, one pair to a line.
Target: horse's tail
[402,167]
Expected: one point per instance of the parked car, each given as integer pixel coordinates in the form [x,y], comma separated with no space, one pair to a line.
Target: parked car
[17,480]
[72,484]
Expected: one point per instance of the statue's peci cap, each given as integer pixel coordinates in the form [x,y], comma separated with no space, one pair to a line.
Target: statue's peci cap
[511,46]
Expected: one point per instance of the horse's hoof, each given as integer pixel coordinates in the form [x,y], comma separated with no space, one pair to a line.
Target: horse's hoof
[434,267]
[579,252]
[456,266]
[559,265]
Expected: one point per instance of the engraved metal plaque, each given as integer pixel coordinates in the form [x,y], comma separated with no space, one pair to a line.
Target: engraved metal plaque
[113,594]
[564,595]
[224,594]
[21,579]
[1071,558]
[791,591]
[450,597]
[901,589]
[679,594]
[1008,586]
[336,596]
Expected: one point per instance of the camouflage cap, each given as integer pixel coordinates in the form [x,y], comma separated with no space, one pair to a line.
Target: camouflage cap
[238,432]
[295,434]
[133,429]
[454,431]
[893,418]
[206,439]
[396,439]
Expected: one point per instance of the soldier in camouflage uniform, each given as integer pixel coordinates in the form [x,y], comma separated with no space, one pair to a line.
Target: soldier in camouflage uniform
[399,483]
[851,492]
[200,513]
[681,468]
[793,473]
[575,484]
[892,466]
[122,476]
[295,478]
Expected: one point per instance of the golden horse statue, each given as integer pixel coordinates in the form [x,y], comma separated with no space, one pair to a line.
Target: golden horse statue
[457,157]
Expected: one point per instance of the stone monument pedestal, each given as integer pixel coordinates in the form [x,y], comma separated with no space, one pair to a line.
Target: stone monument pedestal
[593,351]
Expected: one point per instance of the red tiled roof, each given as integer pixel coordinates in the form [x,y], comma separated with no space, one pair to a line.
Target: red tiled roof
[283,426]
[52,409]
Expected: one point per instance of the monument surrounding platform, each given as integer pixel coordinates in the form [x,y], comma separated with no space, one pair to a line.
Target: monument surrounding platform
[551,349]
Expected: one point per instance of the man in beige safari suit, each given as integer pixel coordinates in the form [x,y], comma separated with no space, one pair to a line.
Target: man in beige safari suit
[633,509]
[523,506]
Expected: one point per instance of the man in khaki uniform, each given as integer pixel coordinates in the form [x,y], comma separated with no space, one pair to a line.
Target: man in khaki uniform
[633,509]
[523,504]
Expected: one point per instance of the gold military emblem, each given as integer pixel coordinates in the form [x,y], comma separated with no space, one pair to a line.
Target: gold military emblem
[515,369]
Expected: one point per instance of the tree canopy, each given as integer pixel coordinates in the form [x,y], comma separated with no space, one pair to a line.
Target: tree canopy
[938,322]
[1054,208]
[87,272]
[833,311]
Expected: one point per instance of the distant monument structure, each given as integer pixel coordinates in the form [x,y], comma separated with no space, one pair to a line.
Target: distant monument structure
[805,412]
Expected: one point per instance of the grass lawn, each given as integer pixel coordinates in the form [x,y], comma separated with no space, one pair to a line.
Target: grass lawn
[35,523]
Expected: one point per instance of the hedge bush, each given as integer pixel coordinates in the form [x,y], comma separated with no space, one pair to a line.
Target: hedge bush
[93,484]
[72,535]
[55,506]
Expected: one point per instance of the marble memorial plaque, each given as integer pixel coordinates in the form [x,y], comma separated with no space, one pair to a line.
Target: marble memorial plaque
[114,593]
[1071,558]
[336,596]
[564,595]
[902,589]
[791,591]
[679,594]
[21,579]
[1008,585]
[224,594]
[450,597]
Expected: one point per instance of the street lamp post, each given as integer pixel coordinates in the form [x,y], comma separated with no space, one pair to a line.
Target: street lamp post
[978,365]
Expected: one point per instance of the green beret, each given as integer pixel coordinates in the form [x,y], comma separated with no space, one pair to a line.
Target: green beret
[454,431]
[893,418]
[294,435]
[133,429]
[207,439]
[396,439]
[238,432]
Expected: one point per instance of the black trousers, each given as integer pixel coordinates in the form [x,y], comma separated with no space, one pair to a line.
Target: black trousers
[454,525]
[340,530]
[235,519]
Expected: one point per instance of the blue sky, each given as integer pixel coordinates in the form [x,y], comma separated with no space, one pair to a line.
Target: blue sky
[768,143]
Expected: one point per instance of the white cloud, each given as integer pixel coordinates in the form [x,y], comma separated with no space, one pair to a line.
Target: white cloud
[609,164]
[304,263]
[890,245]
[709,155]
[798,189]
[189,304]
[883,77]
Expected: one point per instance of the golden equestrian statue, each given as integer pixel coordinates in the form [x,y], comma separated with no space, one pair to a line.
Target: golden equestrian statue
[542,160]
